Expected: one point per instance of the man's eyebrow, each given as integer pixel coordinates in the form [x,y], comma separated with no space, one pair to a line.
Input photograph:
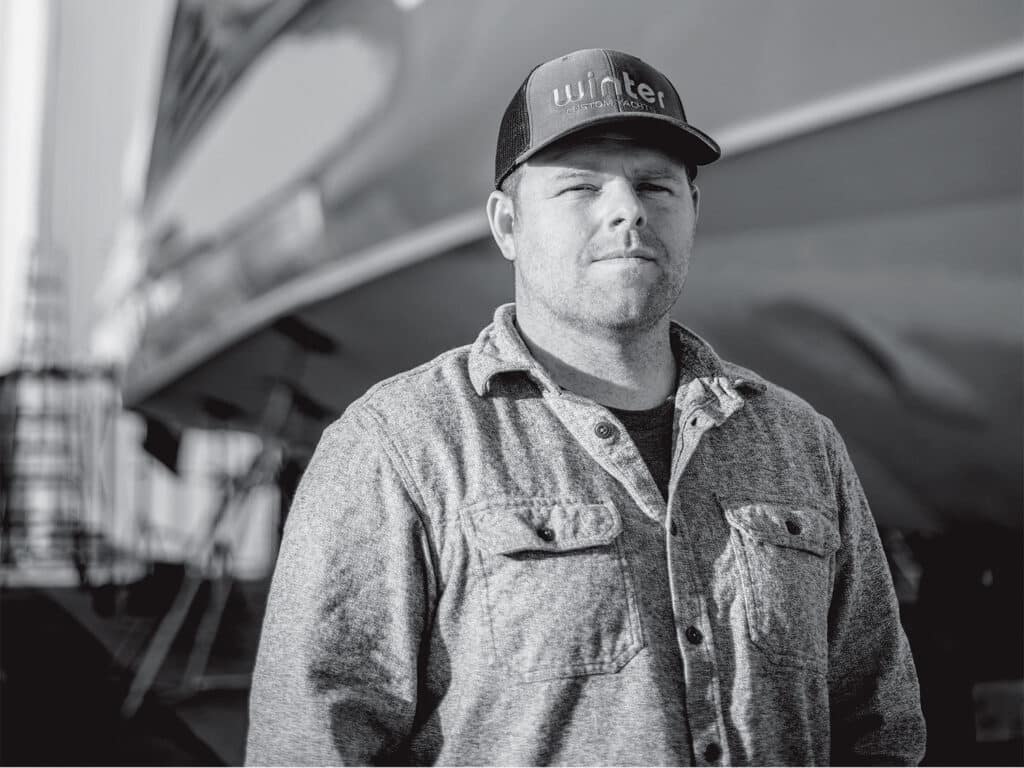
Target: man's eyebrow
[662,172]
[643,173]
[572,173]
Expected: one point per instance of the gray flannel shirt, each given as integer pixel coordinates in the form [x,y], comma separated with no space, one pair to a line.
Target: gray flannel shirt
[479,569]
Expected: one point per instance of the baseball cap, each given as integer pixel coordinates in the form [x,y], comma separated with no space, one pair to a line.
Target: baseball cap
[597,87]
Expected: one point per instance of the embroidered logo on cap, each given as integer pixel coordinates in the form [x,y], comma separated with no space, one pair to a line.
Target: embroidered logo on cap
[609,92]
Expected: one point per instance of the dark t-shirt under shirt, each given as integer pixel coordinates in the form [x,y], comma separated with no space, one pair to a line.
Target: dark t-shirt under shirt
[651,431]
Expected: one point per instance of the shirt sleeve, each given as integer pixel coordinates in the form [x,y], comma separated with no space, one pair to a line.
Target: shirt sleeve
[874,696]
[336,676]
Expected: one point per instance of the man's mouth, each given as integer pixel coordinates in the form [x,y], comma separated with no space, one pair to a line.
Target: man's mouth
[634,254]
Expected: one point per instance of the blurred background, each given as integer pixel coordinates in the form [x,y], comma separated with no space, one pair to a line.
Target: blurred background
[221,222]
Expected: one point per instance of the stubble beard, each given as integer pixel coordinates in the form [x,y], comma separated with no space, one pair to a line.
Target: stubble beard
[632,311]
[595,312]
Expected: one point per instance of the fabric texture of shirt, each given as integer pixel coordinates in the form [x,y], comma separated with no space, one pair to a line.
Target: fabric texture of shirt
[478,568]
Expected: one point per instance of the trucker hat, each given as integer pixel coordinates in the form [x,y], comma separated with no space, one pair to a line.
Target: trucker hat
[597,87]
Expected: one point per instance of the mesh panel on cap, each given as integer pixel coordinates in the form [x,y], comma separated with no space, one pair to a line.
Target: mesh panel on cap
[514,134]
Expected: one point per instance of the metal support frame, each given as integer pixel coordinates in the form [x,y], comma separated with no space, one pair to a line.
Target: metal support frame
[216,569]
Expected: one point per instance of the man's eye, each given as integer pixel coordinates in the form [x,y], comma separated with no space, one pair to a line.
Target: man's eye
[655,188]
[581,188]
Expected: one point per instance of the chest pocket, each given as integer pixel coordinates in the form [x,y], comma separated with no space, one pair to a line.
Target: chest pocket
[786,567]
[560,599]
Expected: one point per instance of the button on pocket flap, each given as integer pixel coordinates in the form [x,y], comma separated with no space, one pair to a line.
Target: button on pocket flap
[785,525]
[542,525]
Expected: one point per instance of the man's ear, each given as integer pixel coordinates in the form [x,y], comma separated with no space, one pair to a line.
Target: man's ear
[695,194]
[501,215]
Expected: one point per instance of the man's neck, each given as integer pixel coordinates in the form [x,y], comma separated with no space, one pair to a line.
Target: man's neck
[631,370]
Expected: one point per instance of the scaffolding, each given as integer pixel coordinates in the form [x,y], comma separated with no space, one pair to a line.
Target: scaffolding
[53,480]
[55,417]
[55,410]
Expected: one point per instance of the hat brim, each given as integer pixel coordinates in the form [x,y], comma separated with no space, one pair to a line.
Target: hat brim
[690,145]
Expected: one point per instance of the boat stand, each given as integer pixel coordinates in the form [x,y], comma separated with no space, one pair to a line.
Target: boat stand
[216,569]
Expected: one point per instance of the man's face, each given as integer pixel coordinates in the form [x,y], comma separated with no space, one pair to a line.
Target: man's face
[602,233]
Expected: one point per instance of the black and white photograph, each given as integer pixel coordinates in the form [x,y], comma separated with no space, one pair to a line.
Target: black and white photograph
[512,382]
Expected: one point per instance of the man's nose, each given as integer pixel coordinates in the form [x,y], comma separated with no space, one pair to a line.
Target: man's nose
[624,208]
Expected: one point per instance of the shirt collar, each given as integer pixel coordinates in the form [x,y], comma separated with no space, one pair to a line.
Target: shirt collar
[500,349]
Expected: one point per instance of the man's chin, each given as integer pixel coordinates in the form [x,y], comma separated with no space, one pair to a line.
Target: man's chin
[624,317]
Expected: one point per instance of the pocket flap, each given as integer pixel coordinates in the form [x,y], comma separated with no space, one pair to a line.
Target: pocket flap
[508,526]
[785,525]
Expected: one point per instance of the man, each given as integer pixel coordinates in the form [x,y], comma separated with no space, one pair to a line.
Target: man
[585,538]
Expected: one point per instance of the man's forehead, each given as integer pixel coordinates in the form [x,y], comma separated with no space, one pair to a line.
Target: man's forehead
[606,145]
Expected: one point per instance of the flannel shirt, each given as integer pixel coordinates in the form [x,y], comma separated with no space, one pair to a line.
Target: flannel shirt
[479,569]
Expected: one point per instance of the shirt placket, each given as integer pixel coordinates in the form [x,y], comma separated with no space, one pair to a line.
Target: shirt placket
[607,441]
[604,439]
[693,626]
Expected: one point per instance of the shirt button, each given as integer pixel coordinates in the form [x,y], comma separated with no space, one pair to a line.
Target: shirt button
[693,635]
[605,431]
[546,533]
[712,752]
[793,528]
